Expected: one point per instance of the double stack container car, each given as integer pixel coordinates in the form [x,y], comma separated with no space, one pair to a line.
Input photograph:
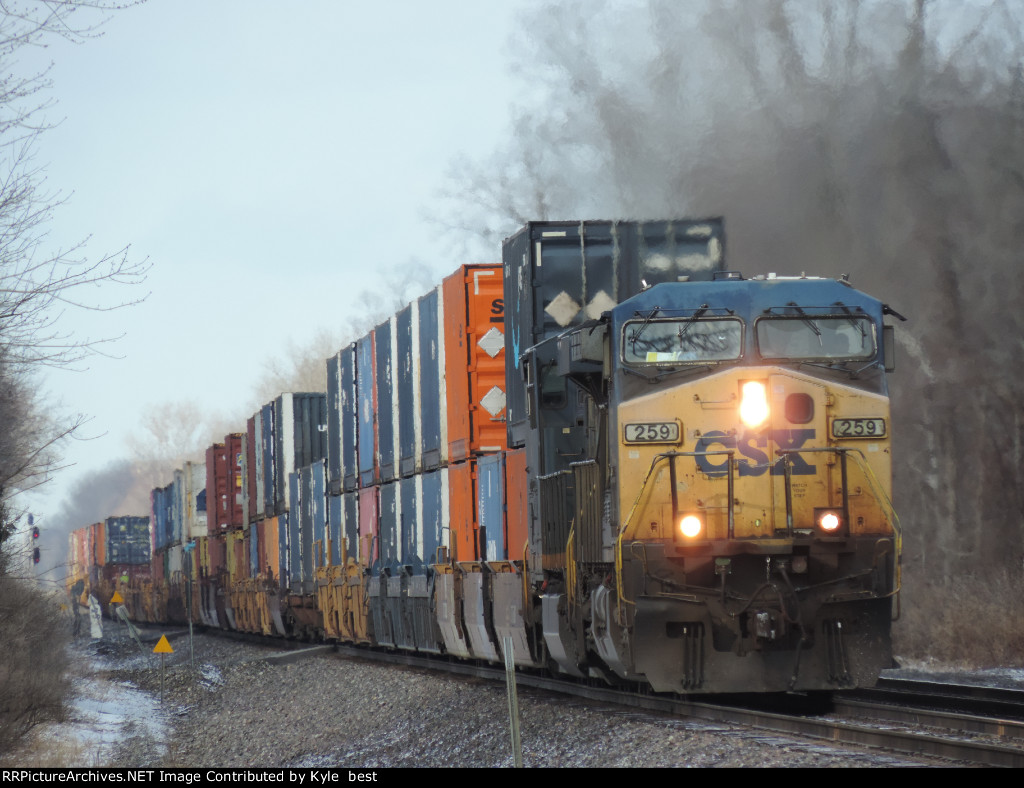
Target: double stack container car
[553,459]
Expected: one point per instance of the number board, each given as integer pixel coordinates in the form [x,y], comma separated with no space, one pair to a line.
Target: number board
[858,428]
[652,432]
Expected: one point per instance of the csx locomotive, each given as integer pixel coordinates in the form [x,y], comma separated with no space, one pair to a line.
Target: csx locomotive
[645,468]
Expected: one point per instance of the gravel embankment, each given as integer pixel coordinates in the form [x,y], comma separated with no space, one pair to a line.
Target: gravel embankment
[236,709]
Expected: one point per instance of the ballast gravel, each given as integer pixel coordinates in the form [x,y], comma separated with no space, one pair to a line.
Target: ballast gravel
[238,705]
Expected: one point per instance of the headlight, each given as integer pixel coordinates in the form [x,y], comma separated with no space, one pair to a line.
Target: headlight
[754,404]
[690,526]
[830,522]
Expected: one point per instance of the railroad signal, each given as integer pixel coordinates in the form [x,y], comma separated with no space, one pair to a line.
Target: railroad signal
[35,555]
[35,531]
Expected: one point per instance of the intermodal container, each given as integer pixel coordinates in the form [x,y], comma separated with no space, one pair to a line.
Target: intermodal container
[318,514]
[366,410]
[312,522]
[462,511]
[407,390]
[334,477]
[216,556]
[490,501]
[434,514]
[293,545]
[161,500]
[270,560]
[128,540]
[348,402]
[474,361]
[410,529]
[517,504]
[560,274]
[249,490]
[190,503]
[283,528]
[384,381]
[300,438]
[235,447]
[97,544]
[335,529]
[369,527]
[389,533]
[350,510]
[433,414]
[224,479]
[254,550]
[267,441]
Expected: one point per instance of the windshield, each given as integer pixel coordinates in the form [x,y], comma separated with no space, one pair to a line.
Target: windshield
[682,341]
[832,338]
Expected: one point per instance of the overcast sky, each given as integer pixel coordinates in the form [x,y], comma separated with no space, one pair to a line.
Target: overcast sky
[266,157]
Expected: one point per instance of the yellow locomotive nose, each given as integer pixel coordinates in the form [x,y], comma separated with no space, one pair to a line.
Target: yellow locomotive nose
[754,404]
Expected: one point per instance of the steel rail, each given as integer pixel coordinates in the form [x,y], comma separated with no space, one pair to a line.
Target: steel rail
[882,737]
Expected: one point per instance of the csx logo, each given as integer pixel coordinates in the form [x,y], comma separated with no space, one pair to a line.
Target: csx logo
[750,445]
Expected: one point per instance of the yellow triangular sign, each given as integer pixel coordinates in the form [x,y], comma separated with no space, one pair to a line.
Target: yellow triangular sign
[117,599]
[162,646]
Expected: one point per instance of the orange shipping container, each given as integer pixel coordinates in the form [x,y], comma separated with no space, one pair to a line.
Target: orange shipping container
[517,513]
[98,544]
[474,352]
[462,511]
[269,548]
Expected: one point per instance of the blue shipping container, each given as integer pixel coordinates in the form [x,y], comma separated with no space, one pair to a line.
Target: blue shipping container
[348,400]
[433,438]
[491,506]
[388,517]
[334,477]
[384,346]
[366,411]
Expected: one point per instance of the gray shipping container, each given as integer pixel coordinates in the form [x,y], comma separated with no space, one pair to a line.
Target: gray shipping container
[411,519]
[334,476]
[350,524]
[407,390]
[490,470]
[348,399]
[293,536]
[335,527]
[300,438]
[390,529]
[384,337]
[269,460]
[366,411]
[433,408]
[560,274]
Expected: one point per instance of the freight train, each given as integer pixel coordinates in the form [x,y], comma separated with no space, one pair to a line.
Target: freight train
[610,457]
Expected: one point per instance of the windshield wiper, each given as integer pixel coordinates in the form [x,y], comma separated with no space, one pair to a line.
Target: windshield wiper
[858,324]
[690,321]
[647,321]
[806,320]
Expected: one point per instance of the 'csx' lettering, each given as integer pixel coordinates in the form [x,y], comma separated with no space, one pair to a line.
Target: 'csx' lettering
[750,445]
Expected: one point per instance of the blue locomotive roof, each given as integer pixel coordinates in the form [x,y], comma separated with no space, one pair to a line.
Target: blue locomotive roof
[747,298]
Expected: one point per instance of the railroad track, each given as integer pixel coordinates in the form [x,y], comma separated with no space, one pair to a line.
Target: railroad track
[905,720]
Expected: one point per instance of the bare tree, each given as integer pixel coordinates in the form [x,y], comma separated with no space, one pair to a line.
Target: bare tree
[40,284]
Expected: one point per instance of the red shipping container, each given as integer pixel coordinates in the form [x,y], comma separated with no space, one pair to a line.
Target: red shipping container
[224,484]
[369,527]
[474,348]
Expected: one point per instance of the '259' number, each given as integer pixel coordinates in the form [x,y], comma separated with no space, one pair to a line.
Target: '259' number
[652,432]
